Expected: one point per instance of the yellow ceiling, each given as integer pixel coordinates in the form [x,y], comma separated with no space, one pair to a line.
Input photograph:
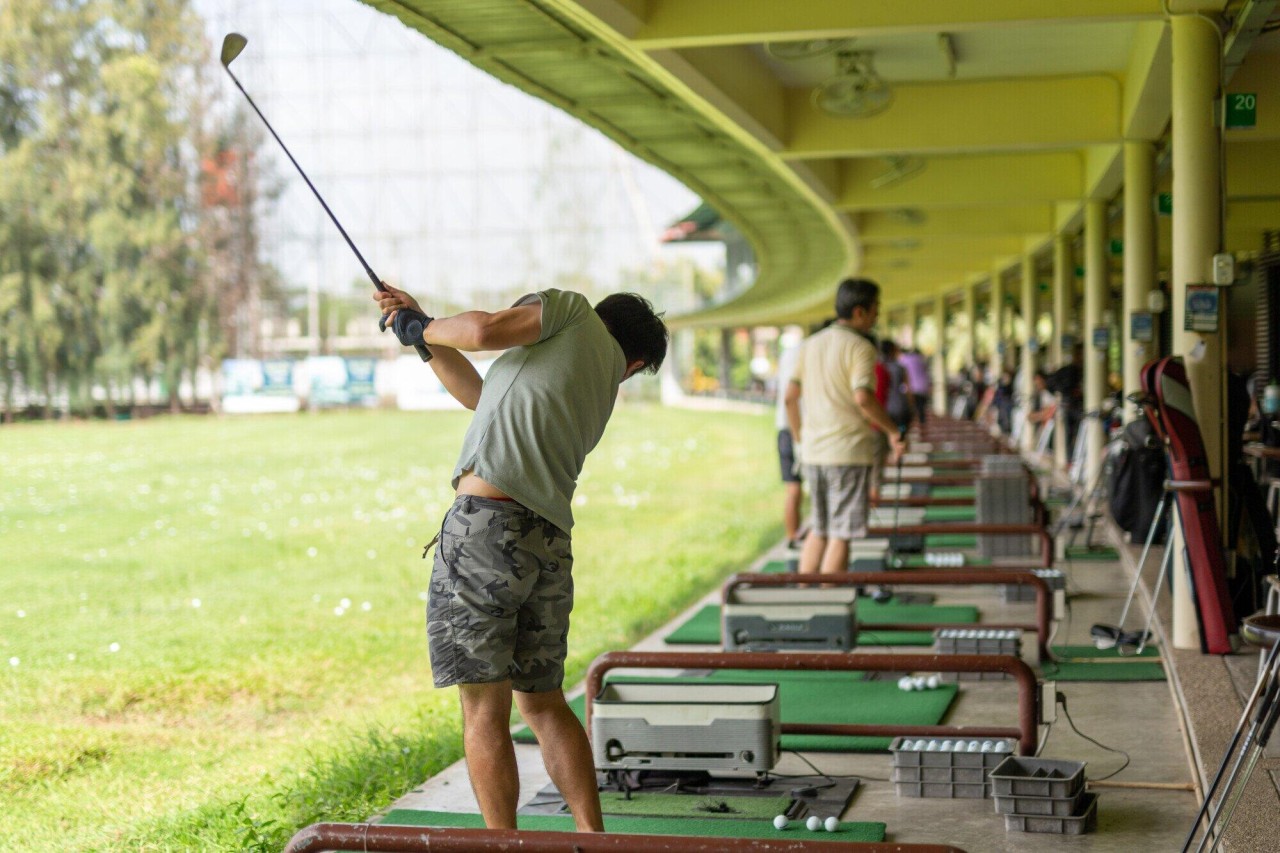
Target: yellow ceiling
[1005,115]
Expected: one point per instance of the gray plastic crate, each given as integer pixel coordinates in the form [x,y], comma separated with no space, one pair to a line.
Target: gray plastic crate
[1018,776]
[977,641]
[1085,820]
[1002,495]
[943,790]
[1052,806]
[1054,578]
[957,772]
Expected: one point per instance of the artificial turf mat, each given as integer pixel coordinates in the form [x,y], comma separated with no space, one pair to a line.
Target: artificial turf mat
[953,492]
[950,513]
[696,826]
[688,805]
[839,697]
[1089,663]
[950,540]
[703,627]
[1084,552]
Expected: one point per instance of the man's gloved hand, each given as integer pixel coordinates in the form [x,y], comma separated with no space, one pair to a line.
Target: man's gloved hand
[409,326]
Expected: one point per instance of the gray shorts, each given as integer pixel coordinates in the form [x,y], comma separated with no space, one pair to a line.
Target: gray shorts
[838,494]
[501,592]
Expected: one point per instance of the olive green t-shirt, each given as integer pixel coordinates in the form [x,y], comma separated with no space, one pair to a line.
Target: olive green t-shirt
[544,406]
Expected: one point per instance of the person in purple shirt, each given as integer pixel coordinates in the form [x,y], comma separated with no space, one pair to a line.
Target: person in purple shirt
[918,382]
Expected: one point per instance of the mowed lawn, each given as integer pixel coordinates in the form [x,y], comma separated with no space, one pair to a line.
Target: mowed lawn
[212,629]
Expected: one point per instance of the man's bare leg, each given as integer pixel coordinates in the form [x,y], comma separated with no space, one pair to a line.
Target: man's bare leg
[835,557]
[566,753]
[491,756]
[811,553]
[791,510]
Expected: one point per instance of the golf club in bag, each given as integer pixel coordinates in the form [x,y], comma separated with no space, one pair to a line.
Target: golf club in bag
[408,325]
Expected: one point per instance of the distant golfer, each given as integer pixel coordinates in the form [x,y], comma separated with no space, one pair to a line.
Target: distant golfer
[501,585]
[831,406]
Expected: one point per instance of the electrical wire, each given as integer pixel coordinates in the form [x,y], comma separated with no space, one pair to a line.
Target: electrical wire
[827,776]
[1062,700]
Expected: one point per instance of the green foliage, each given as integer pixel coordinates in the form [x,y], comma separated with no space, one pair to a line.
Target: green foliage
[103,275]
[214,554]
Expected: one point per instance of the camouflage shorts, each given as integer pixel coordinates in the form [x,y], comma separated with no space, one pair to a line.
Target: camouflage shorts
[501,592]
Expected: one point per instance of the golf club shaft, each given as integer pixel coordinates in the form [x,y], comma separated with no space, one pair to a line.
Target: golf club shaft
[377,282]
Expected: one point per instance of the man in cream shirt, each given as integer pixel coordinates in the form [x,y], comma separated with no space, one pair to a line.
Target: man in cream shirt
[831,406]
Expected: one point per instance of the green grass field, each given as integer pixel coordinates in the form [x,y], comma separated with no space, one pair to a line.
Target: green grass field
[212,629]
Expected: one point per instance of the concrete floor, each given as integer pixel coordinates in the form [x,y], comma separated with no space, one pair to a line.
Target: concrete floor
[1175,733]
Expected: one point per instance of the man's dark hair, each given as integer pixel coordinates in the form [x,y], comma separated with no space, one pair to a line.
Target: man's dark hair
[855,293]
[640,332]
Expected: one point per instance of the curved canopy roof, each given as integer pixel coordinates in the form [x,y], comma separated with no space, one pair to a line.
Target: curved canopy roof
[1002,117]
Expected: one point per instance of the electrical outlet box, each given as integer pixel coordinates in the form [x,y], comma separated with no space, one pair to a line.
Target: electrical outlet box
[1048,702]
[1224,268]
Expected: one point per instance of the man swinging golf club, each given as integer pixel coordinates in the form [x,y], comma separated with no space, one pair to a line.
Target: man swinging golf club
[501,587]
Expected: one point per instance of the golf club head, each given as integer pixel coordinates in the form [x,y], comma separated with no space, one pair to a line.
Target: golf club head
[232,44]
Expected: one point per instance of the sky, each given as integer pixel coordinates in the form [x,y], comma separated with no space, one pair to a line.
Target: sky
[444,177]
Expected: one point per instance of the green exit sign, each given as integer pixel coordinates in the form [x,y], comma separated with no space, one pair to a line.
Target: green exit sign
[1242,110]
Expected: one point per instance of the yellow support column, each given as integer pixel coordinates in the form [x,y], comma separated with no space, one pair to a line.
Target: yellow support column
[1026,389]
[1139,263]
[939,363]
[970,343]
[1196,199]
[1063,284]
[1095,354]
[995,310]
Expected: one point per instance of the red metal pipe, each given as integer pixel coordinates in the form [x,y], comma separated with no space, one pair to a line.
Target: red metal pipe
[1028,696]
[916,577]
[385,838]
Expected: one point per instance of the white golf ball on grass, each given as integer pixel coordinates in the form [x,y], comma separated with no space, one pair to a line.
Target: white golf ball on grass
[814,823]
[780,822]
[831,824]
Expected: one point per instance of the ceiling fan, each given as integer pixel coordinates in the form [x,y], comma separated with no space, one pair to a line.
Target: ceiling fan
[901,167]
[856,91]
[797,50]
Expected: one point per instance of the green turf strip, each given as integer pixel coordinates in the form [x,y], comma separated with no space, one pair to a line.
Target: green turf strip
[950,513]
[850,831]
[652,804]
[953,492]
[950,540]
[1074,665]
[703,627]
[1083,552]
[837,697]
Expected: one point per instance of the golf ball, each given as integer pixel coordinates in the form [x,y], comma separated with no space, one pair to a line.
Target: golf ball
[905,683]
[814,823]
[780,822]
[933,681]
[831,824]
[918,682]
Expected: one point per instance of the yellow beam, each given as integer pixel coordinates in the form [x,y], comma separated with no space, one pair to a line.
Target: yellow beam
[926,224]
[992,115]
[966,182]
[1148,88]
[686,23]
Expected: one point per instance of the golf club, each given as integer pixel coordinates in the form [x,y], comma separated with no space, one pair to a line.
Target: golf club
[408,325]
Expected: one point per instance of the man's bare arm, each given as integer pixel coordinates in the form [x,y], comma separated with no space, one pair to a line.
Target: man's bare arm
[791,400]
[875,413]
[457,374]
